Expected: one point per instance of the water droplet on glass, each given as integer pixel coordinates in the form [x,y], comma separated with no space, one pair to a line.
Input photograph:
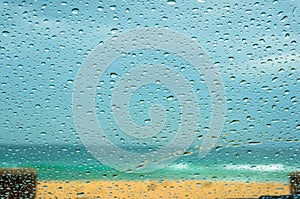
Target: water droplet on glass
[171,2]
[43,133]
[113,75]
[5,33]
[75,11]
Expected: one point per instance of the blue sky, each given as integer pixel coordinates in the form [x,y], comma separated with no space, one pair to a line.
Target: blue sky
[254,45]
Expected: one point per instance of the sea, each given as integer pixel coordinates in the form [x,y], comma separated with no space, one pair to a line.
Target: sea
[271,163]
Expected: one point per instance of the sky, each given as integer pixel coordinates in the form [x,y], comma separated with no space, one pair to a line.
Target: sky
[254,45]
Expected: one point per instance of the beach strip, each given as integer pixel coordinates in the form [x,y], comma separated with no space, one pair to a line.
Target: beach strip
[159,189]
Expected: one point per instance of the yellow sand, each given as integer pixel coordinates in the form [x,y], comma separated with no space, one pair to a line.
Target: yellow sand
[155,189]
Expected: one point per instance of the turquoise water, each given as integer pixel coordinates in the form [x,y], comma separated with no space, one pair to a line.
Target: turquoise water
[252,163]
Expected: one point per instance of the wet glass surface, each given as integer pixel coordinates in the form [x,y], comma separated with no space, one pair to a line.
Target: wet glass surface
[76,105]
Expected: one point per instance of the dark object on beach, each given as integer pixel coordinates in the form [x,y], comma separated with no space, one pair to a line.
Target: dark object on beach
[294,187]
[17,183]
[270,197]
[277,197]
[295,183]
[281,197]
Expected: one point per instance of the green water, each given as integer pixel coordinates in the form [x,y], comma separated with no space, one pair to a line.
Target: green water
[71,162]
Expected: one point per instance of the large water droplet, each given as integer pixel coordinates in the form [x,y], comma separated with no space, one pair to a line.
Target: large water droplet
[171,2]
[75,11]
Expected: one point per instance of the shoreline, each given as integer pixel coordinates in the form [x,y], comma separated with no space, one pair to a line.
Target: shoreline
[204,189]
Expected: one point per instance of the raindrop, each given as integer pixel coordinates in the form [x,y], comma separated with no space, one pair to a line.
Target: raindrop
[113,7]
[43,133]
[169,98]
[171,2]
[113,75]
[5,33]
[75,11]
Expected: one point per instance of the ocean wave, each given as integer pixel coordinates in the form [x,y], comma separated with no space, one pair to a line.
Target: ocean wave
[268,167]
[179,166]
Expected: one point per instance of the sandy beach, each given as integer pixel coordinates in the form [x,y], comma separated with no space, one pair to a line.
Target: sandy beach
[158,189]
